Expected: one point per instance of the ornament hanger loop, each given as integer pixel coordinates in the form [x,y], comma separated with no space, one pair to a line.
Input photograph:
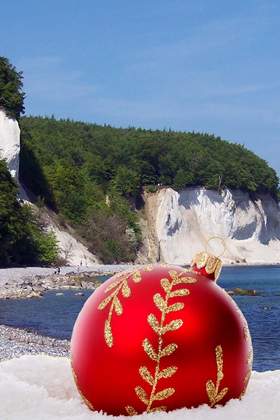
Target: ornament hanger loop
[216,238]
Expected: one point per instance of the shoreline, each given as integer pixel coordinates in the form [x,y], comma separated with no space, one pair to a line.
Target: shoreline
[35,286]
[16,342]
[33,282]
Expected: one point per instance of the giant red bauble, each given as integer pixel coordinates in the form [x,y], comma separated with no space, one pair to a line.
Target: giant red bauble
[160,338]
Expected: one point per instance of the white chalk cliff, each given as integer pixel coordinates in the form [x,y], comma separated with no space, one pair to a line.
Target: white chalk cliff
[10,143]
[70,248]
[181,223]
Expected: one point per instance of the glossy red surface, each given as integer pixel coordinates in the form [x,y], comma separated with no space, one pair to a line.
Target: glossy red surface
[107,376]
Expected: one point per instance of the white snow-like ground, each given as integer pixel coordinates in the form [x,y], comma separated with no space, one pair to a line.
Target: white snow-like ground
[42,388]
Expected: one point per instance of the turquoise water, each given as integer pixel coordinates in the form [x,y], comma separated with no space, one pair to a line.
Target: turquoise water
[55,315]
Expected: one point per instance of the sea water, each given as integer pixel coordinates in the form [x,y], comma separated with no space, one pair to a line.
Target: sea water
[54,315]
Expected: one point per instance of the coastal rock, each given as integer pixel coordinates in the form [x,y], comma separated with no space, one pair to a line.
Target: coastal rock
[182,223]
[238,291]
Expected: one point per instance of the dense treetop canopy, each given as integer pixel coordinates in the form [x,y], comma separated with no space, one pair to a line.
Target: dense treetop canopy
[11,94]
[133,158]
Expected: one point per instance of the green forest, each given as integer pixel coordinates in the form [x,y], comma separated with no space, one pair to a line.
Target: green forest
[93,176]
[23,238]
[130,159]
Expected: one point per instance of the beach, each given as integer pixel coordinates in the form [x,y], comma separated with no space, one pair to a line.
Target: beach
[30,282]
[16,342]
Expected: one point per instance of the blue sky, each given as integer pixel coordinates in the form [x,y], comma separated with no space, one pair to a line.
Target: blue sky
[208,66]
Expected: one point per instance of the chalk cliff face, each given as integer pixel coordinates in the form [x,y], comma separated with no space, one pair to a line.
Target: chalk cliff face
[10,142]
[181,223]
[70,249]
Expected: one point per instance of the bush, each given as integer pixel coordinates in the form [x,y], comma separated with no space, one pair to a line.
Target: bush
[106,233]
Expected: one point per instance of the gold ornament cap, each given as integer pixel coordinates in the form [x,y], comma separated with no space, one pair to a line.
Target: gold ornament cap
[207,264]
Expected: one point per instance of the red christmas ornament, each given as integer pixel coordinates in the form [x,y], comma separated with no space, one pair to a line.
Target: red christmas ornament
[161,338]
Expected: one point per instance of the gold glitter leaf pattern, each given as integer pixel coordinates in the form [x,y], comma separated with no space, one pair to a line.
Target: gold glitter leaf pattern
[160,408]
[131,411]
[108,333]
[146,375]
[159,302]
[168,372]
[126,292]
[141,394]
[113,285]
[212,390]
[152,320]
[120,285]
[149,350]
[172,326]
[175,276]
[179,292]
[175,307]
[160,328]
[221,394]
[118,306]
[162,395]
[165,284]
[185,280]
[136,276]
[105,302]
[168,350]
